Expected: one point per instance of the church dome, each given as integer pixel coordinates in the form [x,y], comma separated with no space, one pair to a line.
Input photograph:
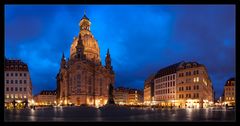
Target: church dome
[91,48]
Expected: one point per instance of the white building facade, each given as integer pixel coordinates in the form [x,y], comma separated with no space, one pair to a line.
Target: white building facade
[17,82]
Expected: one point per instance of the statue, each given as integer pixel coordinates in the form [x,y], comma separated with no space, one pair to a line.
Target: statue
[110,95]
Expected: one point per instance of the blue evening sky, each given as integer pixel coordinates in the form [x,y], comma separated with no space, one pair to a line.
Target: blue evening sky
[142,39]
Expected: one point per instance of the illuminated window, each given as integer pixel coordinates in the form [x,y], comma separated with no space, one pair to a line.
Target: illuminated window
[7,95]
[16,96]
[197,79]
[20,95]
[25,96]
[11,95]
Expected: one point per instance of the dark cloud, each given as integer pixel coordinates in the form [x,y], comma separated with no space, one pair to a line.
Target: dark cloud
[141,39]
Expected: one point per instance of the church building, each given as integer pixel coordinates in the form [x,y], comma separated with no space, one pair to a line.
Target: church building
[82,79]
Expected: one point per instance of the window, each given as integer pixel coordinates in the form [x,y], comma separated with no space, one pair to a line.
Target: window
[11,81]
[25,81]
[7,74]
[20,89]
[179,88]
[16,74]
[11,95]
[16,81]
[20,81]
[197,87]
[25,96]
[11,88]
[16,96]
[25,89]
[16,89]
[25,74]
[189,73]
[173,77]
[7,95]
[197,72]
[20,74]
[7,89]
[189,88]
[11,74]
[173,83]
[7,81]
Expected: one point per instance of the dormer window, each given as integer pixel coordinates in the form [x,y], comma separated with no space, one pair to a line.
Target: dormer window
[188,66]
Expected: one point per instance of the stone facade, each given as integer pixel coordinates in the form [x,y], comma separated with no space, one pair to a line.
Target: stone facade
[194,86]
[121,95]
[184,84]
[229,92]
[17,81]
[128,96]
[149,90]
[46,97]
[83,79]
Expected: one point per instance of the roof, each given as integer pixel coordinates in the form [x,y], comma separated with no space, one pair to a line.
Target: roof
[85,17]
[48,92]
[15,65]
[168,70]
[230,82]
[186,65]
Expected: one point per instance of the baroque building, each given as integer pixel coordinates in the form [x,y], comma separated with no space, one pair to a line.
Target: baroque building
[229,93]
[194,86]
[83,79]
[148,94]
[18,84]
[183,84]
[128,96]
[45,97]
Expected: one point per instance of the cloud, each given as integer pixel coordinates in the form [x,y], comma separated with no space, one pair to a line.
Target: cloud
[141,39]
